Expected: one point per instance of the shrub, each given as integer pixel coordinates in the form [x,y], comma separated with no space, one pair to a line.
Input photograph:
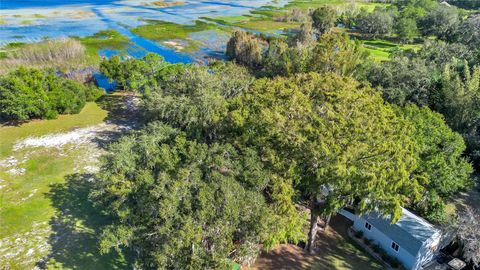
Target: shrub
[34,93]
[395,263]
[376,248]
[367,241]
[296,15]
[385,256]
[324,19]
[379,22]
[358,234]
[92,93]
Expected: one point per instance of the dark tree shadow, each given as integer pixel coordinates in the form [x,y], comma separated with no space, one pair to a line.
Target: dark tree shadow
[334,250]
[123,112]
[76,227]
[122,108]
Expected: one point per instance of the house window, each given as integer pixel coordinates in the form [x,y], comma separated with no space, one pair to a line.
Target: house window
[368,226]
[395,246]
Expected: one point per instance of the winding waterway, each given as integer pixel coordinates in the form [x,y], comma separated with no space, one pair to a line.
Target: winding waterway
[34,20]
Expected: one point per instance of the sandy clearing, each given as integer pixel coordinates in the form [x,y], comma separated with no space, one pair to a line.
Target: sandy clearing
[78,136]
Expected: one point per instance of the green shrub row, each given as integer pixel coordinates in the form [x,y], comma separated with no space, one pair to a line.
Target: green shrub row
[36,94]
[393,262]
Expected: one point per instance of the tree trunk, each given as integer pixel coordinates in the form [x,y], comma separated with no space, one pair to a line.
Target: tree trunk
[327,222]
[313,229]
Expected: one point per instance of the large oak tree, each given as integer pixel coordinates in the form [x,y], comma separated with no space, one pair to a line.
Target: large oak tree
[332,134]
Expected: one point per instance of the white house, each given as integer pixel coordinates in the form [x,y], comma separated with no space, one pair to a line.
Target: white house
[412,240]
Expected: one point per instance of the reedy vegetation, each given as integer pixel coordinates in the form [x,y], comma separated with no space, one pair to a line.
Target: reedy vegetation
[63,54]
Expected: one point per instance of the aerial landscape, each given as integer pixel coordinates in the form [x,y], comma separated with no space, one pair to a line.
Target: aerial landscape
[240,134]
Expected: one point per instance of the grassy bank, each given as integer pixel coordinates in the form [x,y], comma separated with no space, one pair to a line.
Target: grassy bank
[308,4]
[380,50]
[90,115]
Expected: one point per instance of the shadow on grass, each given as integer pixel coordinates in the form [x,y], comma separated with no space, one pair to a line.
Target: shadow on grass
[121,108]
[122,112]
[76,228]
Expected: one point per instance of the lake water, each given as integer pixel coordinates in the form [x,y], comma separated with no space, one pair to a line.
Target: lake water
[34,20]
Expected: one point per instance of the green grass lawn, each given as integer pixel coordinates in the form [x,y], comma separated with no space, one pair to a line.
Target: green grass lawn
[90,115]
[380,50]
[45,212]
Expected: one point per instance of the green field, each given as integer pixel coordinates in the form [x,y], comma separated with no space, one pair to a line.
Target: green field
[380,50]
[44,210]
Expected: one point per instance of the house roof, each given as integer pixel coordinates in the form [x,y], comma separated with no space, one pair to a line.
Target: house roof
[410,232]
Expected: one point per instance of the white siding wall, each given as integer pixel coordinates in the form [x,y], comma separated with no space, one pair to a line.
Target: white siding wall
[407,259]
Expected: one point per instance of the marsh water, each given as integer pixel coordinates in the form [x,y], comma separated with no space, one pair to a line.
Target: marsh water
[34,20]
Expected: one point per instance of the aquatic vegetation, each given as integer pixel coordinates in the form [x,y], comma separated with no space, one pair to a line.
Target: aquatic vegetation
[106,39]
[162,30]
[81,15]
[26,22]
[266,25]
[163,3]
[39,16]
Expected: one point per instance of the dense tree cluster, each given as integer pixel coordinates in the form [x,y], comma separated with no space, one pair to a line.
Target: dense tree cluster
[442,169]
[335,53]
[215,187]
[182,204]
[332,133]
[228,152]
[411,20]
[33,93]
[133,74]
[319,138]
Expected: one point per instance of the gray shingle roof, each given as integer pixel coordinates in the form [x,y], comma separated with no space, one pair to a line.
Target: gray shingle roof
[410,232]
